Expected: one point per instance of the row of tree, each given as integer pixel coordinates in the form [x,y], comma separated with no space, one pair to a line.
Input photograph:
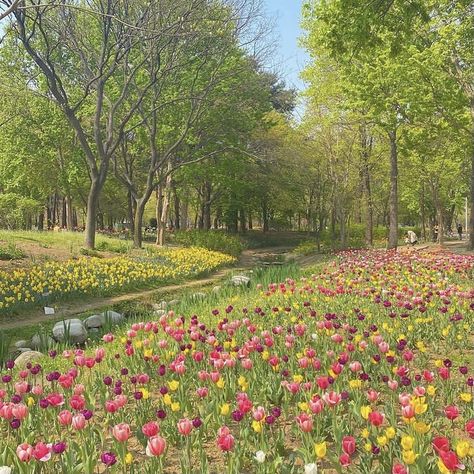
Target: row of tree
[395,79]
[118,111]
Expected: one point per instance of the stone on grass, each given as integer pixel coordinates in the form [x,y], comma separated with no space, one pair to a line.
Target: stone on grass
[240,280]
[94,321]
[113,317]
[41,341]
[173,303]
[21,343]
[161,305]
[159,312]
[74,328]
[27,357]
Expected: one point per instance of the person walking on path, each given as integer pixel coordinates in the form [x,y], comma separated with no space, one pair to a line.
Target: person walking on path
[460,231]
[412,238]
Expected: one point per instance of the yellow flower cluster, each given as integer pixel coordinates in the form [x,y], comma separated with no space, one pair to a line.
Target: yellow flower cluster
[99,276]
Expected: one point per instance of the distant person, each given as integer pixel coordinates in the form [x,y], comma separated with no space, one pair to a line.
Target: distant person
[412,238]
[460,231]
[435,233]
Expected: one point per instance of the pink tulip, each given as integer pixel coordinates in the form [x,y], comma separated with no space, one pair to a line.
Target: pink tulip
[121,432]
[24,452]
[305,422]
[78,422]
[185,426]
[20,411]
[65,418]
[155,446]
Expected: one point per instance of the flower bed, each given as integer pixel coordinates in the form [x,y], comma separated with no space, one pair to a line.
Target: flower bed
[99,276]
[363,368]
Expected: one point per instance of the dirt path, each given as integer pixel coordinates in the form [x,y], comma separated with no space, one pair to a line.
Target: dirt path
[458,246]
[64,309]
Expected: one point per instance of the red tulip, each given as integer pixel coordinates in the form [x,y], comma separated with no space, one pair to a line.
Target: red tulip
[344,460]
[150,429]
[225,442]
[349,445]
[399,469]
[376,418]
[450,460]
[470,428]
[451,412]
[441,444]
[41,452]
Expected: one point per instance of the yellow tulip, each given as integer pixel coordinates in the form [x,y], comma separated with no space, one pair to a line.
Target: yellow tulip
[320,449]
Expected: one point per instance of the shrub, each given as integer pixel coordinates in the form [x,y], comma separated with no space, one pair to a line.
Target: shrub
[211,240]
[11,252]
[106,246]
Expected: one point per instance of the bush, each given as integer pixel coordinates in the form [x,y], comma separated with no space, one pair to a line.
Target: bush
[16,209]
[11,252]
[211,240]
[106,246]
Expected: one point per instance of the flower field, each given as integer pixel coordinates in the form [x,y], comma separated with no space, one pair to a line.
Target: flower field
[364,367]
[96,276]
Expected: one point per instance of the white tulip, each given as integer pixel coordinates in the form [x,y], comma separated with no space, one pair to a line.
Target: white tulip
[259,456]
[311,468]
[5,470]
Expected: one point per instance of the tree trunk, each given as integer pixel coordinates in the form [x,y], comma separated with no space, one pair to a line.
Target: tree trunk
[91,216]
[131,212]
[177,203]
[243,221]
[206,205]
[41,220]
[138,223]
[471,226]
[250,220]
[366,144]
[69,217]
[393,203]
[266,226]
[164,212]
[159,210]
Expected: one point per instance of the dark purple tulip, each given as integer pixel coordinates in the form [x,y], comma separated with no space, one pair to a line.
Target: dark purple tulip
[9,364]
[161,414]
[87,414]
[270,419]
[108,380]
[109,458]
[43,403]
[237,415]
[276,412]
[6,378]
[197,422]
[15,423]
[59,448]
[138,395]
[124,371]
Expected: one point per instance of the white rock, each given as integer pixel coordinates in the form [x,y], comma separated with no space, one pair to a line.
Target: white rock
[161,305]
[41,341]
[74,328]
[22,343]
[159,312]
[240,280]
[174,303]
[27,357]
[94,321]
[113,317]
